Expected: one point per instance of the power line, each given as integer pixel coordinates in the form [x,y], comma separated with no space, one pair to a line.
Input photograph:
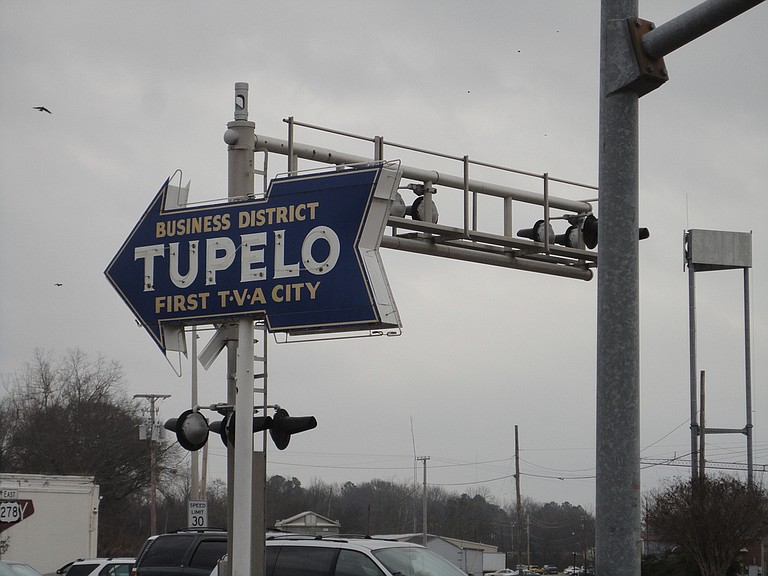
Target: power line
[650,462]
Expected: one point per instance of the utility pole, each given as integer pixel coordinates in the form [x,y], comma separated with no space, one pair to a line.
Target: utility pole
[519,501]
[204,475]
[152,458]
[528,544]
[424,502]
[584,536]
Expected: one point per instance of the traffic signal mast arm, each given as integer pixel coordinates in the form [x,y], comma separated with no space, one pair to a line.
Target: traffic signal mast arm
[422,234]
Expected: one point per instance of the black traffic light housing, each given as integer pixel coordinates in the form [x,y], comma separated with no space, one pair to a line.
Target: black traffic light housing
[284,425]
[586,230]
[536,233]
[589,231]
[191,429]
[226,427]
[417,210]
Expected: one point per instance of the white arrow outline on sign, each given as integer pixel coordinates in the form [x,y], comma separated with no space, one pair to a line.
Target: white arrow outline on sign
[370,241]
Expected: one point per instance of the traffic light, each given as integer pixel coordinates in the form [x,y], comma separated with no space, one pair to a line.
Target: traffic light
[537,232]
[192,428]
[284,425]
[226,427]
[571,237]
[589,233]
[581,229]
[417,210]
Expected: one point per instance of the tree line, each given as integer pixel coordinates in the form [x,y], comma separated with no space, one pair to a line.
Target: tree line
[71,415]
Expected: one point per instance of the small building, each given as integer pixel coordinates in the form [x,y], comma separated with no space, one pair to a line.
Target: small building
[471,557]
[308,523]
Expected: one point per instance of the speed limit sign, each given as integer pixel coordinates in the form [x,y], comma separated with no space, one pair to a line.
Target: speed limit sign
[197,514]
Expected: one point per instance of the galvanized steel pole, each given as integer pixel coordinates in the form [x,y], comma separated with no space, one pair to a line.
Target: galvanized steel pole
[622,82]
[239,137]
[618,384]
[692,361]
[194,469]
[748,380]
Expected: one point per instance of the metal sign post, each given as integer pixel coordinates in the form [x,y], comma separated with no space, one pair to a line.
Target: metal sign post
[239,136]
[240,532]
[706,251]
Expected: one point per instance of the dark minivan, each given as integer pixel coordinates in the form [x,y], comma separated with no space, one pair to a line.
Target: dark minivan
[182,553]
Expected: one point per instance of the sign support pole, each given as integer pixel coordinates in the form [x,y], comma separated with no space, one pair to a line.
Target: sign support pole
[195,464]
[618,505]
[240,137]
[241,518]
[618,502]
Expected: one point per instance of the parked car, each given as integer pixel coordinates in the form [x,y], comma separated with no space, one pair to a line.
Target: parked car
[354,556]
[550,569]
[101,567]
[192,552]
[10,568]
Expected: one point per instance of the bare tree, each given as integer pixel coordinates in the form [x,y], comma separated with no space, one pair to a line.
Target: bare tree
[72,415]
[710,518]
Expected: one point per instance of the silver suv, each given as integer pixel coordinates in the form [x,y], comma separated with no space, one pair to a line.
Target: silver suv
[101,567]
[290,555]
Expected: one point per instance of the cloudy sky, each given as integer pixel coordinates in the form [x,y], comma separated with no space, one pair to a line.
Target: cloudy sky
[140,89]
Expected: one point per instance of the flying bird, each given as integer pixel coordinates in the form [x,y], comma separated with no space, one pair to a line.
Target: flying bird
[42,109]
[59,284]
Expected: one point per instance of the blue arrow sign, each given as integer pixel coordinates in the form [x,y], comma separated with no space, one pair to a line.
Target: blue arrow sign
[305,257]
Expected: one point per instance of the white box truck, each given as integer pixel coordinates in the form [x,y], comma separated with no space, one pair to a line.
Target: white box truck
[47,521]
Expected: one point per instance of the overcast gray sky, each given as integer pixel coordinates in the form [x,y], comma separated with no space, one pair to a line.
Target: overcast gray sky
[140,89]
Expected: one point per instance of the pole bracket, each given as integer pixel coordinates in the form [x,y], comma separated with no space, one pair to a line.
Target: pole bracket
[629,67]
[652,71]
